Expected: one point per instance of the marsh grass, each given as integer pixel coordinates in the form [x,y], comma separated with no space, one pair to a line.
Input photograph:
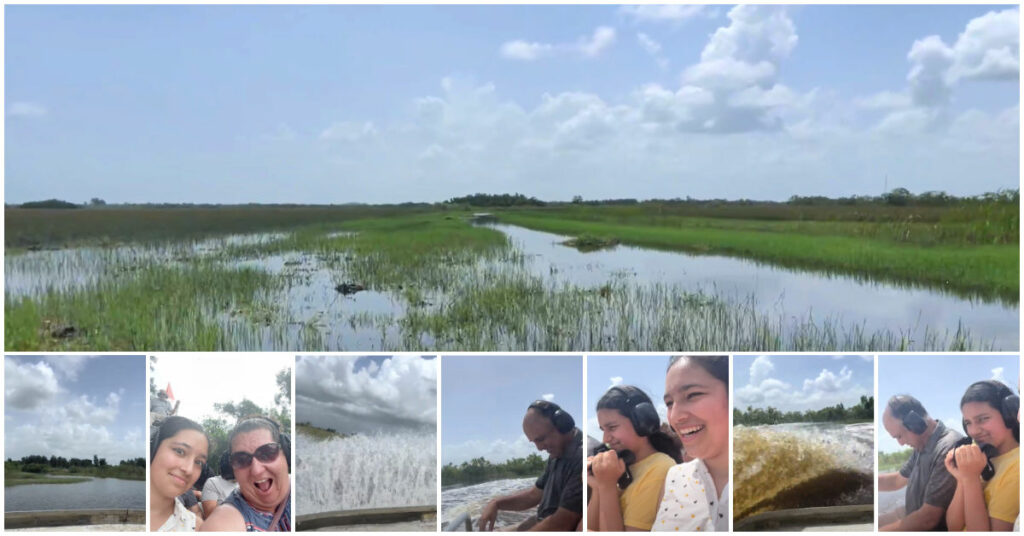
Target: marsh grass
[987,271]
[440,284]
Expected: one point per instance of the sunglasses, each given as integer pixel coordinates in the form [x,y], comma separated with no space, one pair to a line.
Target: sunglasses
[266,454]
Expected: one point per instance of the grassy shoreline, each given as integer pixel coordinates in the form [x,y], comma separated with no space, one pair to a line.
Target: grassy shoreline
[991,271]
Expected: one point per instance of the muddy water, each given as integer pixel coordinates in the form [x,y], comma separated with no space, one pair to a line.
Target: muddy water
[802,465]
[778,292]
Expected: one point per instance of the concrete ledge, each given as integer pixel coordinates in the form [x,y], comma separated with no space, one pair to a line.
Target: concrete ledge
[828,515]
[365,516]
[59,518]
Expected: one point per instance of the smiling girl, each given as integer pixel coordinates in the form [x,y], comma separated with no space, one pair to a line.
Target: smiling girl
[696,493]
[630,423]
[178,450]
[989,411]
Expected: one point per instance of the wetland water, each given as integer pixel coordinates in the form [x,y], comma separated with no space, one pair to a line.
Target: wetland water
[536,294]
[776,291]
[97,493]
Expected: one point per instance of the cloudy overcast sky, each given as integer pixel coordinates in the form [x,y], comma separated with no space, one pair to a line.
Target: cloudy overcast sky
[200,381]
[938,382]
[800,382]
[75,406]
[484,398]
[421,103]
[367,394]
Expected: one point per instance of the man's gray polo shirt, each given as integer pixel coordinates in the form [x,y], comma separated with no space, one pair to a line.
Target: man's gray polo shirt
[928,480]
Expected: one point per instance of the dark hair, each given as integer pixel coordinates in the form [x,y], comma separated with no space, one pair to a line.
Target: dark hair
[716,365]
[226,471]
[623,398]
[204,475]
[994,394]
[901,405]
[255,422]
[170,428]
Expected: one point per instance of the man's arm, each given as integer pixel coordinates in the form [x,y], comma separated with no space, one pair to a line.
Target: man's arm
[563,520]
[517,501]
[924,518]
[891,481]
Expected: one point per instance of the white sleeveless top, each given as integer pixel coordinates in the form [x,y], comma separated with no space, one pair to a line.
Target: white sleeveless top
[689,502]
[181,520]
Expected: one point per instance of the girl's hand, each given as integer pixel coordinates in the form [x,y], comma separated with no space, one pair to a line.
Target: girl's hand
[970,461]
[949,464]
[591,481]
[607,467]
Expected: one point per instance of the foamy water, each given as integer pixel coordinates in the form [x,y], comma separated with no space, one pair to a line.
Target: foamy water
[802,465]
[366,471]
[472,499]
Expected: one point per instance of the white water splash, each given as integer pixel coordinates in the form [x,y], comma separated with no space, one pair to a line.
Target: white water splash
[366,471]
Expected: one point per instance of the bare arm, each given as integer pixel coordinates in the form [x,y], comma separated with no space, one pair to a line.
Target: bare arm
[955,512]
[975,512]
[593,511]
[208,507]
[562,520]
[891,481]
[224,519]
[517,501]
[922,519]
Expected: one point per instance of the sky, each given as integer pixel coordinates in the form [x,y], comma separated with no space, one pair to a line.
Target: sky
[75,406]
[484,398]
[938,382]
[645,372]
[201,380]
[375,104]
[801,382]
[367,394]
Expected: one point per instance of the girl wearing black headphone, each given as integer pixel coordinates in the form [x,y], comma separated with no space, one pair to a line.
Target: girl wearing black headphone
[989,411]
[177,453]
[632,429]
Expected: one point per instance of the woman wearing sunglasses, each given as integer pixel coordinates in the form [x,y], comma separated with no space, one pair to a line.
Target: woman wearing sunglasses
[260,460]
[177,452]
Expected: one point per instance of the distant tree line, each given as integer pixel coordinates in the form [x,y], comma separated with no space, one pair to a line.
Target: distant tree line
[901,197]
[862,411]
[497,200]
[61,462]
[480,470]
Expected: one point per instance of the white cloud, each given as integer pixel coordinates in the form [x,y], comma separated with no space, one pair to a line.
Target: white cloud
[548,396]
[522,50]
[662,13]
[615,380]
[399,392]
[587,46]
[828,382]
[756,33]
[28,386]
[68,366]
[988,48]
[761,369]
[828,388]
[604,37]
[997,374]
[26,109]
[349,131]
[650,45]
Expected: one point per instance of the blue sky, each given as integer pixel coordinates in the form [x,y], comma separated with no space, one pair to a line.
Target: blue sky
[75,406]
[938,382]
[421,103]
[367,394]
[801,382]
[645,372]
[484,398]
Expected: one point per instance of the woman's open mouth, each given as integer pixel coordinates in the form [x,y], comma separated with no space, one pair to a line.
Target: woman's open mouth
[264,485]
[688,433]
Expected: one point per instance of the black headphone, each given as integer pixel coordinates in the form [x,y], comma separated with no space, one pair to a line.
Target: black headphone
[283,439]
[642,415]
[911,420]
[562,421]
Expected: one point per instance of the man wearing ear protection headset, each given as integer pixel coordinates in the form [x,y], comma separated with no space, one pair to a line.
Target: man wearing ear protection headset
[558,493]
[929,485]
